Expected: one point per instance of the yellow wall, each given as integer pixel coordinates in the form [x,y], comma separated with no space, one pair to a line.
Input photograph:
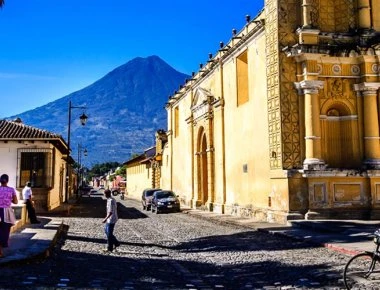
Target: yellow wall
[182,150]
[376,15]
[55,194]
[165,167]
[139,177]
[246,131]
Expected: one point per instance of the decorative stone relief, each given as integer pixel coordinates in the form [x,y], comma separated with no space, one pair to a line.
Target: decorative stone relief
[336,69]
[271,35]
[335,15]
[283,107]
[375,68]
[355,70]
[318,193]
[314,13]
[289,100]
[319,68]
[201,104]
[347,192]
[336,91]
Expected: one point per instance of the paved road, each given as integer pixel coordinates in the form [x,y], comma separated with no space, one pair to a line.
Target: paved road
[174,251]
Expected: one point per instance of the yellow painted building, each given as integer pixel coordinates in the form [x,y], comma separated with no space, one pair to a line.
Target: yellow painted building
[282,122]
[140,173]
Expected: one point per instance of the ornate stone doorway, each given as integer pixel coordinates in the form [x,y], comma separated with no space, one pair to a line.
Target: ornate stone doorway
[202,166]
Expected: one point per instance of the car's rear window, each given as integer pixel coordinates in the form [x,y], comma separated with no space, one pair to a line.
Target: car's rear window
[150,192]
[165,194]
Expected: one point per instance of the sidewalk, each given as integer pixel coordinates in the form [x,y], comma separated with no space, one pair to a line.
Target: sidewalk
[351,237]
[33,241]
[347,236]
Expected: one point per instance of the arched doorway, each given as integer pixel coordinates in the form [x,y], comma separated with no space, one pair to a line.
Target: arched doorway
[340,138]
[202,166]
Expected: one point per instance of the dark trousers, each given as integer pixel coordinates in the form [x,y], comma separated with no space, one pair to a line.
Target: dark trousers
[5,230]
[31,211]
[111,239]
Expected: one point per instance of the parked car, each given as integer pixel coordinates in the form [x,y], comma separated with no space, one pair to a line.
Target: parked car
[95,192]
[146,198]
[165,200]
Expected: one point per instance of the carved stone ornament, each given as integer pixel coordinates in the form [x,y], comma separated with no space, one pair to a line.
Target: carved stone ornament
[336,69]
[375,68]
[201,104]
[355,70]
[336,88]
[319,68]
[201,96]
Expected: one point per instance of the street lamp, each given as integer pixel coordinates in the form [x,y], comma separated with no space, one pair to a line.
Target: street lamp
[80,170]
[85,152]
[83,119]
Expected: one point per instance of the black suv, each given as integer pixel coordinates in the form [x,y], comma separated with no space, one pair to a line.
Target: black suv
[146,198]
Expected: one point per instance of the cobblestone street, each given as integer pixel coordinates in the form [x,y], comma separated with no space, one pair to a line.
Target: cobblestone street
[174,251]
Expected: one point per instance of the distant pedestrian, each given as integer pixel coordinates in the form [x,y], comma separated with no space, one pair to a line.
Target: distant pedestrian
[8,196]
[27,196]
[110,221]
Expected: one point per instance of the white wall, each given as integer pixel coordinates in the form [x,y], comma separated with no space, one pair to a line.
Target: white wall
[8,164]
[8,157]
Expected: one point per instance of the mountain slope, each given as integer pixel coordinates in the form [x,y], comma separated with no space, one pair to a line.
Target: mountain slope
[125,108]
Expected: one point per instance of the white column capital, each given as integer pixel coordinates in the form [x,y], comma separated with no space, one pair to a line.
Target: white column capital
[367,88]
[309,86]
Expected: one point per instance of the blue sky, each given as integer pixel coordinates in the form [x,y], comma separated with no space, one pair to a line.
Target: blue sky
[50,49]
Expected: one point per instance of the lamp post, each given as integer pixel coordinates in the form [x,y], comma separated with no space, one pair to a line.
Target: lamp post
[83,119]
[85,152]
[80,169]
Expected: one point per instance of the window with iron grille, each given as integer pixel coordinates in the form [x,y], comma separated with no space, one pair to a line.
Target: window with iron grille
[36,167]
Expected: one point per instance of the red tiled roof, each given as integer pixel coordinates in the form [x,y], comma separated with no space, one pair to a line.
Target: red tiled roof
[16,130]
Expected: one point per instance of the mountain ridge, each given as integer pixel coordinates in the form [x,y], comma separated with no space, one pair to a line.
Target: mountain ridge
[125,107]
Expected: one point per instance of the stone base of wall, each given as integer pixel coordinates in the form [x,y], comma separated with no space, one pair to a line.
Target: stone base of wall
[342,214]
[248,211]
[218,208]
[262,214]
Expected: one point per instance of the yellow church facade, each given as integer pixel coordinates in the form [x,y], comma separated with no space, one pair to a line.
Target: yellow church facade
[282,122]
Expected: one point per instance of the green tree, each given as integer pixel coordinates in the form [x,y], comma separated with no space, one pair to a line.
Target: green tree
[122,170]
[102,168]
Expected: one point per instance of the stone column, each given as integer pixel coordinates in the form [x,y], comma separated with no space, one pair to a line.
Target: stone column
[364,14]
[306,18]
[307,34]
[359,102]
[313,153]
[369,92]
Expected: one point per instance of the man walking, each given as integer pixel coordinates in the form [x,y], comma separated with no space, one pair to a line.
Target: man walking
[27,196]
[110,221]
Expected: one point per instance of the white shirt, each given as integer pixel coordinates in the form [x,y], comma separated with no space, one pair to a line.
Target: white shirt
[112,207]
[26,193]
